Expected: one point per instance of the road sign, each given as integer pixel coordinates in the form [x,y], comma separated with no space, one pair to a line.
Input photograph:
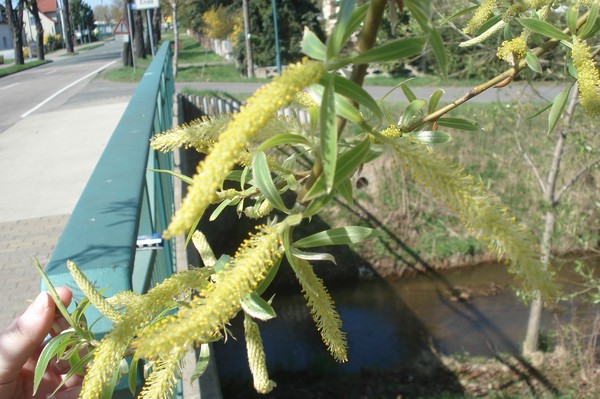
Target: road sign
[145,4]
[121,28]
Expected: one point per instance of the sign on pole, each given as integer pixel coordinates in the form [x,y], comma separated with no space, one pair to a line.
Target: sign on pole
[146,4]
[121,28]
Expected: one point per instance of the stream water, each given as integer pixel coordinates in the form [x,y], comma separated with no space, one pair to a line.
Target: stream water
[388,324]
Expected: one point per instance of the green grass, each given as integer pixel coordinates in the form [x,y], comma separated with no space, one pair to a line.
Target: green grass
[213,73]
[90,47]
[18,68]
[128,74]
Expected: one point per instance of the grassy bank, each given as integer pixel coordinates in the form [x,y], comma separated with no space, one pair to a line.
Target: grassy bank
[18,68]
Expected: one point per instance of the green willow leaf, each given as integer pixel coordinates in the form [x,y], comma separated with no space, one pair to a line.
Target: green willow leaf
[132,378]
[335,42]
[267,281]
[395,50]
[354,92]
[543,28]
[313,257]
[262,178]
[357,17]
[284,139]
[343,107]
[312,46]
[572,15]
[589,28]
[256,307]
[180,176]
[411,110]
[488,24]
[348,162]
[56,345]
[434,100]
[544,108]
[202,363]
[458,14]
[439,51]
[533,62]
[432,137]
[338,236]
[345,190]
[408,93]
[459,123]
[224,204]
[558,106]
[329,138]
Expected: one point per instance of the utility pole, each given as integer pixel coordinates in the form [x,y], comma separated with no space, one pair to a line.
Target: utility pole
[248,39]
[277,50]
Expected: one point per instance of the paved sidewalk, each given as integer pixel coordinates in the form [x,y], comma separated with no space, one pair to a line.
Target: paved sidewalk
[46,160]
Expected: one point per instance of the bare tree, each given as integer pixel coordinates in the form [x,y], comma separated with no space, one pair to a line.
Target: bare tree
[552,196]
[67,28]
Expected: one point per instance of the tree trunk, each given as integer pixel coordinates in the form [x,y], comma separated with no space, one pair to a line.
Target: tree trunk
[176,36]
[15,24]
[156,24]
[33,8]
[138,35]
[67,29]
[530,345]
[247,31]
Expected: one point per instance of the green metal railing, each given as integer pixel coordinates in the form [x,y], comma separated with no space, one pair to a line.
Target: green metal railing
[124,200]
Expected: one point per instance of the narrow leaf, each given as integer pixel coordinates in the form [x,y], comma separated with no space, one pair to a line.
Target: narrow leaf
[533,62]
[202,363]
[284,139]
[133,374]
[411,110]
[543,28]
[224,204]
[544,108]
[267,281]
[349,161]
[589,28]
[408,93]
[357,17]
[312,46]
[558,106]
[354,92]
[56,345]
[312,256]
[329,144]
[180,176]
[335,41]
[262,178]
[435,137]
[439,50]
[255,306]
[394,50]
[458,14]
[434,100]
[338,236]
[459,123]
[345,190]
[572,15]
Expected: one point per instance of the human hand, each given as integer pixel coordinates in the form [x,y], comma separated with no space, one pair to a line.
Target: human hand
[20,347]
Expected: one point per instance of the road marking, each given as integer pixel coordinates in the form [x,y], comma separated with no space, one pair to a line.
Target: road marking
[9,86]
[32,110]
[50,72]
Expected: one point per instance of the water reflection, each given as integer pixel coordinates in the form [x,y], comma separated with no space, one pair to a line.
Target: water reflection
[391,324]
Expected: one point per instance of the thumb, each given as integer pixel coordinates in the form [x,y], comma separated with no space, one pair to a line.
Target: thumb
[19,341]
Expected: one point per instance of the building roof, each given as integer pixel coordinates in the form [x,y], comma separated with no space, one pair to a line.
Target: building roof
[46,6]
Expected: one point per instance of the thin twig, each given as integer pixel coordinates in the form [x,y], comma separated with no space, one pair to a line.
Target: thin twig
[582,172]
[535,170]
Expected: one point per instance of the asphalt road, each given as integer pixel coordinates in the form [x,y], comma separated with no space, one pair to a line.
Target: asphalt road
[67,80]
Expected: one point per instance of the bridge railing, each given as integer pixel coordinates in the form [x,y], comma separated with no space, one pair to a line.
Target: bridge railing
[124,201]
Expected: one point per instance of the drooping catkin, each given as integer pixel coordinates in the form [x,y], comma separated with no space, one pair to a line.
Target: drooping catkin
[219,302]
[259,110]
[322,310]
[162,380]
[256,357]
[588,78]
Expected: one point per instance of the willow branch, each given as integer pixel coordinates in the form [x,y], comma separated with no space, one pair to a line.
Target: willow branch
[504,77]
[582,172]
[535,170]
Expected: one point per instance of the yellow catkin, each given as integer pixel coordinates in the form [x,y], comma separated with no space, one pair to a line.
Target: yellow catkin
[512,51]
[588,79]
[323,310]
[482,14]
[261,108]
[480,213]
[305,100]
[92,293]
[256,357]
[162,381]
[217,304]
[263,210]
[113,346]
[203,247]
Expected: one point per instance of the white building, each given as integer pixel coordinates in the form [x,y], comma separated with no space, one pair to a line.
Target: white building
[49,16]
[5,35]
